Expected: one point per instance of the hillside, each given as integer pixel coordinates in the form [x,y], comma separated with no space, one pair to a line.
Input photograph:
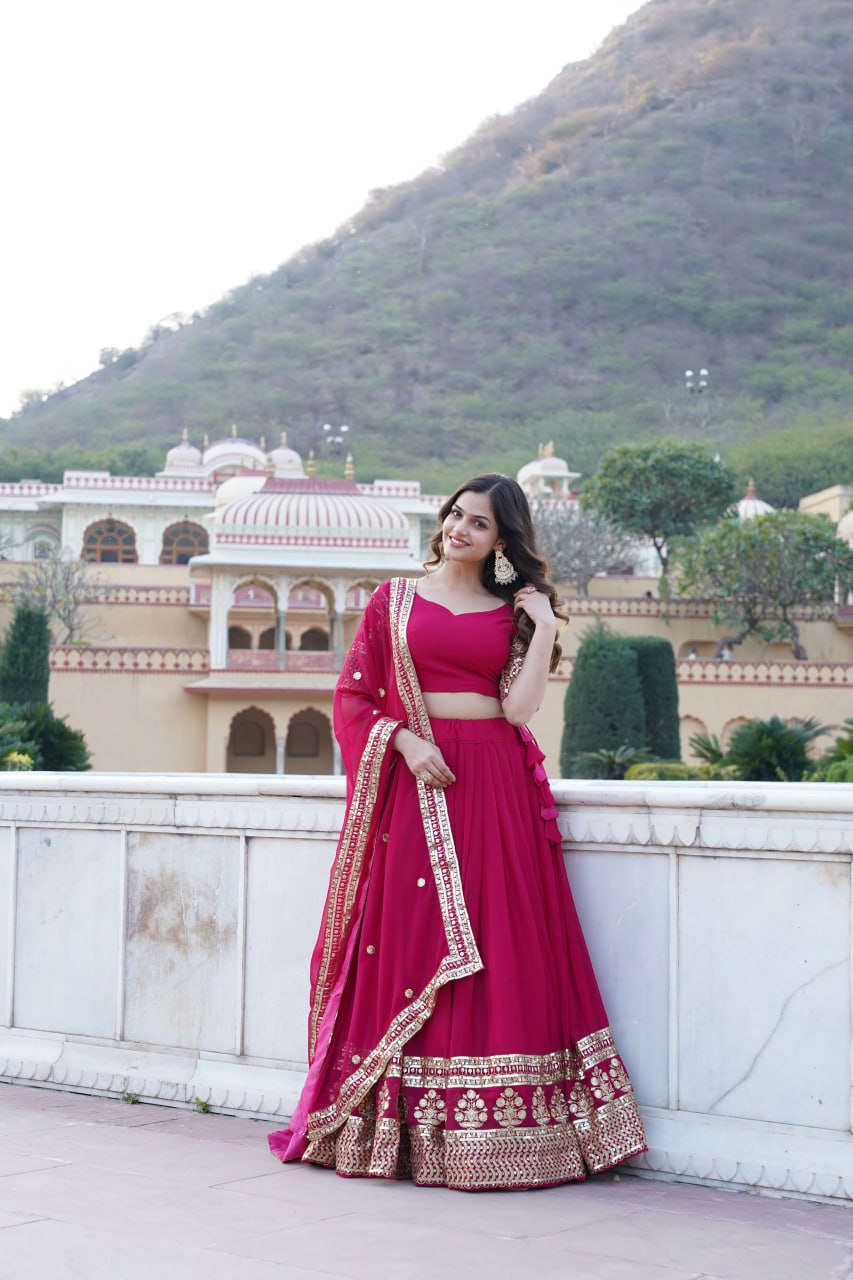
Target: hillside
[680,199]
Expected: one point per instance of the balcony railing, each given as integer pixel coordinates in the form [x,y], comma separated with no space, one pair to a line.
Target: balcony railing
[292,660]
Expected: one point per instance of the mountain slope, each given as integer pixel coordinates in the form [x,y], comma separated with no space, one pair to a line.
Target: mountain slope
[680,199]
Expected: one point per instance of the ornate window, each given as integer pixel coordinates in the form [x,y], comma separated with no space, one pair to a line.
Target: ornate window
[182,541]
[110,542]
[42,548]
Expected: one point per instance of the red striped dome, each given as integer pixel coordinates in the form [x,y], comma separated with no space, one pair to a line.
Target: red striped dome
[312,513]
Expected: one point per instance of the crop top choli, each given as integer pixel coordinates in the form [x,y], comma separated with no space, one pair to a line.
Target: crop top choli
[459,652]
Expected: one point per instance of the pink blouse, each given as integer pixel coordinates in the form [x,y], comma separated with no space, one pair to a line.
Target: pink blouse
[459,652]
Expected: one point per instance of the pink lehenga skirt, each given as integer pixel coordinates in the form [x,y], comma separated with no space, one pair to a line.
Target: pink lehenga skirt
[514,1080]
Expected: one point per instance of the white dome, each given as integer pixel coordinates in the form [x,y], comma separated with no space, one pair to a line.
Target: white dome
[233,454]
[751,505]
[184,457]
[318,514]
[239,486]
[285,461]
[547,476]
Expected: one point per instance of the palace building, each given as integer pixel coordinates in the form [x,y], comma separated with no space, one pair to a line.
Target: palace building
[223,592]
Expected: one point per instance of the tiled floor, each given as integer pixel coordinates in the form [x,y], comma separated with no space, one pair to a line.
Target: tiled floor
[99,1190]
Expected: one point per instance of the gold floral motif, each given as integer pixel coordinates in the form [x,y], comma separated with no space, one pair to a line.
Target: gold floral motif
[580,1103]
[619,1075]
[383,1098]
[559,1108]
[599,1083]
[431,1109]
[509,1110]
[541,1114]
[470,1112]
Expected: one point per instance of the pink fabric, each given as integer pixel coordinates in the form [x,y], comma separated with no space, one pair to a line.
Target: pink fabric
[459,652]
[384,938]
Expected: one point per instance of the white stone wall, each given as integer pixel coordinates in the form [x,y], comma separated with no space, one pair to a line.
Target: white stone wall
[155,932]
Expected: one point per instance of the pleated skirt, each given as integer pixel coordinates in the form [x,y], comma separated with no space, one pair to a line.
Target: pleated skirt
[514,1080]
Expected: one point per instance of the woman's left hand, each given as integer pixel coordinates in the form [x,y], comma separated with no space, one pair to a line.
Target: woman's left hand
[536,604]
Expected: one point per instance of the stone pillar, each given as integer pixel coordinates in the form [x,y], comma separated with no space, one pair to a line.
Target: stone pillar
[220,603]
[279,755]
[337,763]
[282,591]
[336,621]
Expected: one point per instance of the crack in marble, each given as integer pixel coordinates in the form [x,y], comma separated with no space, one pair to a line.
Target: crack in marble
[798,991]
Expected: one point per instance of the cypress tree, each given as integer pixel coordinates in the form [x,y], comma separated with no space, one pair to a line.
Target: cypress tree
[25,657]
[656,669]
[604,700]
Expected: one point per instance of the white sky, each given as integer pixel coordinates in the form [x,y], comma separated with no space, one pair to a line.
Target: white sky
[154,155]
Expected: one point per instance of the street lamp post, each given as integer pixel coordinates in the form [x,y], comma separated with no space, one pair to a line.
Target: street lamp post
[696,383]
[335,437]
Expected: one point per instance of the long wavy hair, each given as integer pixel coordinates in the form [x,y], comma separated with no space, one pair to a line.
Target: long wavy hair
[515,528]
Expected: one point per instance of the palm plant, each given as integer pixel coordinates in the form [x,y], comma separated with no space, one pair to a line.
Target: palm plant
[707,747]
[611,763]
[771,750]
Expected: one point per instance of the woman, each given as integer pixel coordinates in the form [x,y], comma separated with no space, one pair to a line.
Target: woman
[456,1033]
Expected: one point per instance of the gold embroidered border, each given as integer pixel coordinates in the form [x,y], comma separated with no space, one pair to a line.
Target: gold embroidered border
[461,1159]
[488,1072]
[345,881]
[594,1048]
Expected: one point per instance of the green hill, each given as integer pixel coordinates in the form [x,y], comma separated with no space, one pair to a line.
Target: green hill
[681,199]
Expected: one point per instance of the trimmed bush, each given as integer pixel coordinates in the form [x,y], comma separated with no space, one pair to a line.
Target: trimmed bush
[604,701]
[836,771]
[662,771]
[656,669]
[43,737]
[25,657]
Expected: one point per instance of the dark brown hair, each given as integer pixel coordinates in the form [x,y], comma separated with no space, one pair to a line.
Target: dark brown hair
[515,528]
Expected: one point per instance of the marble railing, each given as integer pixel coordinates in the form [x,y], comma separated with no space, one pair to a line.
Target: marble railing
[156,931]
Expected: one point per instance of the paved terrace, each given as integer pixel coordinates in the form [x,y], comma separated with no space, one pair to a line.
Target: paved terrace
[98,1189]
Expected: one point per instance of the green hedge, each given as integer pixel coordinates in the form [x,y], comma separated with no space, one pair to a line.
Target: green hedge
[656,669]
[604,700]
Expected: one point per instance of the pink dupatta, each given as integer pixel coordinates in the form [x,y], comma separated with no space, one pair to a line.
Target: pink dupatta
[377,693]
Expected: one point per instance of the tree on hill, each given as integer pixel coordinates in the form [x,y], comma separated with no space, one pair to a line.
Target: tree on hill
[25,657]
[766,575]
[661,491]
[604,702]
[579,542]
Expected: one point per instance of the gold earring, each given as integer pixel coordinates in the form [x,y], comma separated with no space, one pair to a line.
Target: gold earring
[505,571]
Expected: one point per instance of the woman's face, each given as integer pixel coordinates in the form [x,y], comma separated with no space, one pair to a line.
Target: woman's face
[470,531]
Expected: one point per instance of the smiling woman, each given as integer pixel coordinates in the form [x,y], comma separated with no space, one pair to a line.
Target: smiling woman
[456,1034]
